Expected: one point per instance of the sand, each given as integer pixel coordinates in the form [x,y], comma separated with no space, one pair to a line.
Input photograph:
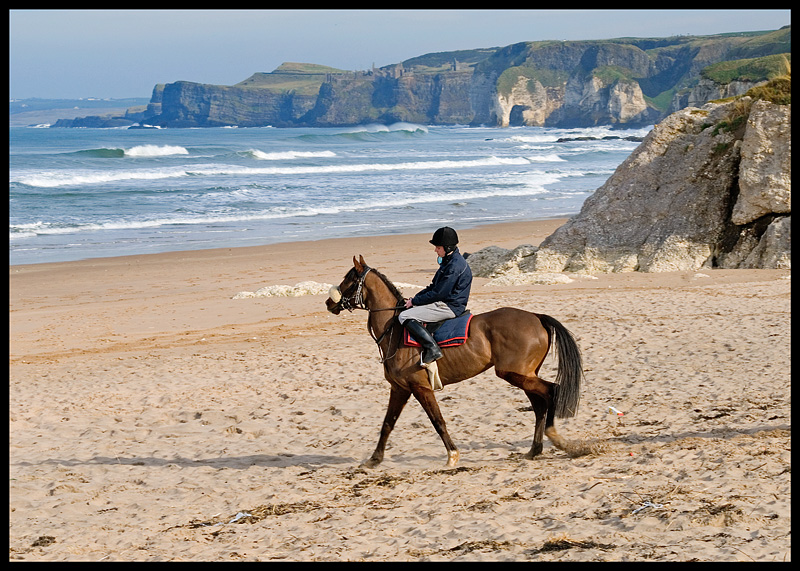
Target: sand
[153,417]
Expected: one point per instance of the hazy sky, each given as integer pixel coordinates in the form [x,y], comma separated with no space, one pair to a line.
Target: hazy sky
[124,53]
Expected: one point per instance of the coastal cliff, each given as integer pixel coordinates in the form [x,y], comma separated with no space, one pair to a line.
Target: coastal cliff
[624,82]
[185,104]
[709,187]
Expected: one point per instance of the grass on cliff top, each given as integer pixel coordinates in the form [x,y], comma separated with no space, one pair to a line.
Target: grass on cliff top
[443,61]
[302,85]
[764,44]
[753,69]
[302,78]
[777,90]
[305,68]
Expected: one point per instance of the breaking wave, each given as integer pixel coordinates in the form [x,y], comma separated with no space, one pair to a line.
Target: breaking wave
[372,132]
[533,185]
[288,155]
[52,179]
[137,151]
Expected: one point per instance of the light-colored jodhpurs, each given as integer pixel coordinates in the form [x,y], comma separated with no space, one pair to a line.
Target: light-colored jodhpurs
[430,313]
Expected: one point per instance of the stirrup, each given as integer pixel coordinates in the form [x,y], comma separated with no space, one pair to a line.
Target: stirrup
[427,351]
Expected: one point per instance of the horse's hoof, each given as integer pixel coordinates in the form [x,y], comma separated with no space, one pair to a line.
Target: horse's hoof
[371,463]
[533,452]
[452,460]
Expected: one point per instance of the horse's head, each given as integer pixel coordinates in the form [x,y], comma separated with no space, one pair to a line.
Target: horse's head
[347,295]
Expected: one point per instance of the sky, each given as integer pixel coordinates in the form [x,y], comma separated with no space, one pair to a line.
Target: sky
[70,54]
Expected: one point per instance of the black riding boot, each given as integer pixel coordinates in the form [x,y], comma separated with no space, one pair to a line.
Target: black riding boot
[430,350]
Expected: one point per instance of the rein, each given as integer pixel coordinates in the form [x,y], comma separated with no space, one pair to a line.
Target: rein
[395,308]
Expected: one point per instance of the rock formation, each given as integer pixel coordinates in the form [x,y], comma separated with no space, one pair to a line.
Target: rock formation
[627,81]
[707,188]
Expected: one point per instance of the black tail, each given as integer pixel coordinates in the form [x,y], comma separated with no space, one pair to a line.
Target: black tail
[567,392]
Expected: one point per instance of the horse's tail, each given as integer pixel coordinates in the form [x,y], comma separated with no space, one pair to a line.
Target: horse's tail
[567,390]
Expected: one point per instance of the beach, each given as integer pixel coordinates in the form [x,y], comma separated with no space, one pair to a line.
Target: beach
[154,415]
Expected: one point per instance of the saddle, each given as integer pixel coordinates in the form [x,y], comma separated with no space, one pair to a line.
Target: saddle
[448,333]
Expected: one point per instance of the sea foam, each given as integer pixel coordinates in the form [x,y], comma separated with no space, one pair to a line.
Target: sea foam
[155,151]
[290,155]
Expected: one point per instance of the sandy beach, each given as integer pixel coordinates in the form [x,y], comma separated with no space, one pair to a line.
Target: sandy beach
[154,416]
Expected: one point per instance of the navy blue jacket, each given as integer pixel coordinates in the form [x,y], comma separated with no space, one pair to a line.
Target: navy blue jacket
[451,284]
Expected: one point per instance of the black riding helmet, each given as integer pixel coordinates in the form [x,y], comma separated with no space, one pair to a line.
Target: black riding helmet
[445,237]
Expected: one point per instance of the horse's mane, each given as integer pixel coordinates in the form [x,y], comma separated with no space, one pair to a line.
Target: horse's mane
[353,275]
[392,288]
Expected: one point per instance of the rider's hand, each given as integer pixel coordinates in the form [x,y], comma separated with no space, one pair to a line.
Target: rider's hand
[408,303]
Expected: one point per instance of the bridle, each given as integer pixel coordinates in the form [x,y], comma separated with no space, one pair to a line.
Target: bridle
[356,301]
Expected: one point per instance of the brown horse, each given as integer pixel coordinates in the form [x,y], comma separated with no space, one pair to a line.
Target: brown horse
[512,340]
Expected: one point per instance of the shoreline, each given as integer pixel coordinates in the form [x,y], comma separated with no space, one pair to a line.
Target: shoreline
[512,229]
[148,410]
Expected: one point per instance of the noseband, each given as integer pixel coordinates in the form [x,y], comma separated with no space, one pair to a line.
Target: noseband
[356,301]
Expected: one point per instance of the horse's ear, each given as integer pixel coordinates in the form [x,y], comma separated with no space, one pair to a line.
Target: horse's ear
[361,259]
[359,267]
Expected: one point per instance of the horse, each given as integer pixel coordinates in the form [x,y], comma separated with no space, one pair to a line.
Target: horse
[513,341]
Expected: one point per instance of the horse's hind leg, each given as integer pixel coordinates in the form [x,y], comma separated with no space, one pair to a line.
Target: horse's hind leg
[540,408]
[428,401]
[397,400]
[544,408]
[550,422]
[542,395]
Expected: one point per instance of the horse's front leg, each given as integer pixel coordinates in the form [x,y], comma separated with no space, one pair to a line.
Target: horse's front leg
[397,400]
[427,399]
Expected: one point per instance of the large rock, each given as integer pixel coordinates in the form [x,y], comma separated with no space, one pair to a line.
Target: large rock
[663,209]
[708,187]
[494,261]
[774,249]
[765,172]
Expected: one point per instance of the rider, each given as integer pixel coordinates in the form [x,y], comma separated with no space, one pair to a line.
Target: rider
[446,297]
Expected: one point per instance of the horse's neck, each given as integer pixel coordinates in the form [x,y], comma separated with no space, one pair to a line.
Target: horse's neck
[380,297]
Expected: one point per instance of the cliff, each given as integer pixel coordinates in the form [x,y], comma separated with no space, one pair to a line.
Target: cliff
[708,187]
[434,99]
[628,81]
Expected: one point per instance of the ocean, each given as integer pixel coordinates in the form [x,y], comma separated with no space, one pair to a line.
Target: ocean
[76,194]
